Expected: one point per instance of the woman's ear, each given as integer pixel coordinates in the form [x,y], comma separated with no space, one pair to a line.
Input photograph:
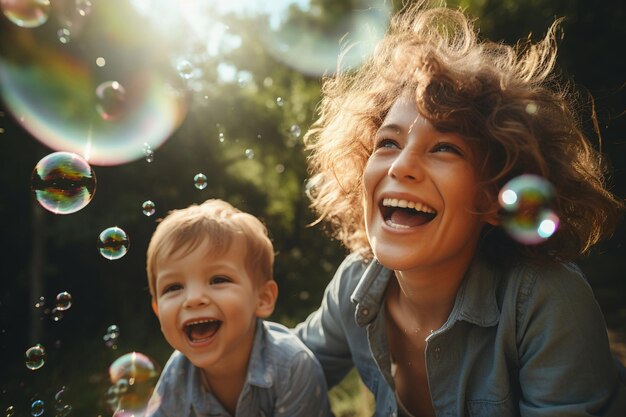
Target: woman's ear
[155,308]
[266,301]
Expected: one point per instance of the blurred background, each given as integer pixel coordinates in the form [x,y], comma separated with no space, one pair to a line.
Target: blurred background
[152,93]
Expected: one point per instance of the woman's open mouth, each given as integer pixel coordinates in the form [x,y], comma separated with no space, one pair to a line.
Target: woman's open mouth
[404,214]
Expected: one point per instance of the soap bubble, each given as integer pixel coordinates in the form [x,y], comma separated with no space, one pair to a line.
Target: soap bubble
[111,336]
[111,98]
[64,35]
[249,153]
[35,357]
[295,131]
[26,13]
[527,214]
[280,101]
[10,411]
[200,181]
[133,377]
[63,182]
[148,208]
[113,243]
[64,301]
[37,408]
[83,7]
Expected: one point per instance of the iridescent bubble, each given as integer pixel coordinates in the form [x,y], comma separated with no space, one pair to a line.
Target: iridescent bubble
[279,101]
[64,301]
[280,168]
[295,131]
[26,13]
[111,98]
[101,62]
[83,7]
[113,243]
[305,39]
[200,181]
[185,69]
[41,302]
[63,182]
[133,376]
[64,35]
[37,408]
[148,153]
[35,357]
[10,411]
[148,208]
[249,153]
[221,137]
[50,88]
[527,213]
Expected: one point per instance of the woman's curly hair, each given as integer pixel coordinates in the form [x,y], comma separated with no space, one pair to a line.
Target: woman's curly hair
[504,100]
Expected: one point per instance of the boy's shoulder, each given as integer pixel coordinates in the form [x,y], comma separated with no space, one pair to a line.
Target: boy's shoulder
[280,342]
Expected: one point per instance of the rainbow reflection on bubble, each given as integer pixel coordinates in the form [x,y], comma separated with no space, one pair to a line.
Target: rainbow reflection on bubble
[57,93]
[63,182]
[133,378]
[26,13]
[35,357]
[113,243]
[527,214]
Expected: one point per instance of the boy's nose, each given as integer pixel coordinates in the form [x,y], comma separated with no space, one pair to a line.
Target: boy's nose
[196,298]
[406,166]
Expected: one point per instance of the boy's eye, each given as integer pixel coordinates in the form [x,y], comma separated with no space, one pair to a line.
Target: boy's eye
[220,279]
[171,288]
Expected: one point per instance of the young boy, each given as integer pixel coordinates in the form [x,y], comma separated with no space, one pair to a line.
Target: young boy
[210,272]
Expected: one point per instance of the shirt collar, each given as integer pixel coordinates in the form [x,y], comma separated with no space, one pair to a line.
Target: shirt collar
[260,373]
[475,301]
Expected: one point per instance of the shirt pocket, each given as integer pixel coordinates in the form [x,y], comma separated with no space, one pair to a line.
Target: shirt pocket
[508,407]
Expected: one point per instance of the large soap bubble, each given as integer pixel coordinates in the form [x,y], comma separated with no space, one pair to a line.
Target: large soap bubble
[63,182]
[59,94]
[133,378]
[26,13]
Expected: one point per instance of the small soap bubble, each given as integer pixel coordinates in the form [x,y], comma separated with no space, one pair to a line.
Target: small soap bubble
[35,357]
[113,243]
[200,181]
[133,378]
[57,314]
[249,153]
[527,213]
[111,336]
[63,182]
[148,152]
[37,408]
[185,69]
[280,168]
[26,13]
[221,137]
[295,131]
[83,7]
[111,98]
[10,411]
[101,62]
[148,208]
[268,82]
[64,35]
[279,101]
[64,301]
[41,302]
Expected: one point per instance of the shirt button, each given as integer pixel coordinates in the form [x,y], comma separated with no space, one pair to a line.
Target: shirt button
[437,352]
[365,311]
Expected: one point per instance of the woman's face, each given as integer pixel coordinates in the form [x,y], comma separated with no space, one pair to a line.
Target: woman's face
[420,194]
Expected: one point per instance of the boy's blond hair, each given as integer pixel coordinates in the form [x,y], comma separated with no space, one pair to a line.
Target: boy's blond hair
[219,223]
[503,100]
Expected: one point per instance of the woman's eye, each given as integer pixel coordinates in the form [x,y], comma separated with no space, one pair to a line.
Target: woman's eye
[386,143]
[446,147]
[220,279]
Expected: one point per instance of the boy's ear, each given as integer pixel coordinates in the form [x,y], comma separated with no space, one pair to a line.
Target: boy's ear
[155,308]
[268,292]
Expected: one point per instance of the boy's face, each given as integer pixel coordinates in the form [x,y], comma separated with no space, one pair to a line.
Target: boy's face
[208,305]
[431,174]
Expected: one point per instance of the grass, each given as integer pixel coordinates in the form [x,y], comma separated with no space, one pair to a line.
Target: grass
[351,398]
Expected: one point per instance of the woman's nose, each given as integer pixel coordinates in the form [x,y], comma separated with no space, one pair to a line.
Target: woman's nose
[406,166]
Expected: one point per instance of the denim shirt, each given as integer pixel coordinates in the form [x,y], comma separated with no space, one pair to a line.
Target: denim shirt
[284,379]
[529,340]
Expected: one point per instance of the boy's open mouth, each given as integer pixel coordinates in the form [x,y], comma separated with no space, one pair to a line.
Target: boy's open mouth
[404,214]
[200,330]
